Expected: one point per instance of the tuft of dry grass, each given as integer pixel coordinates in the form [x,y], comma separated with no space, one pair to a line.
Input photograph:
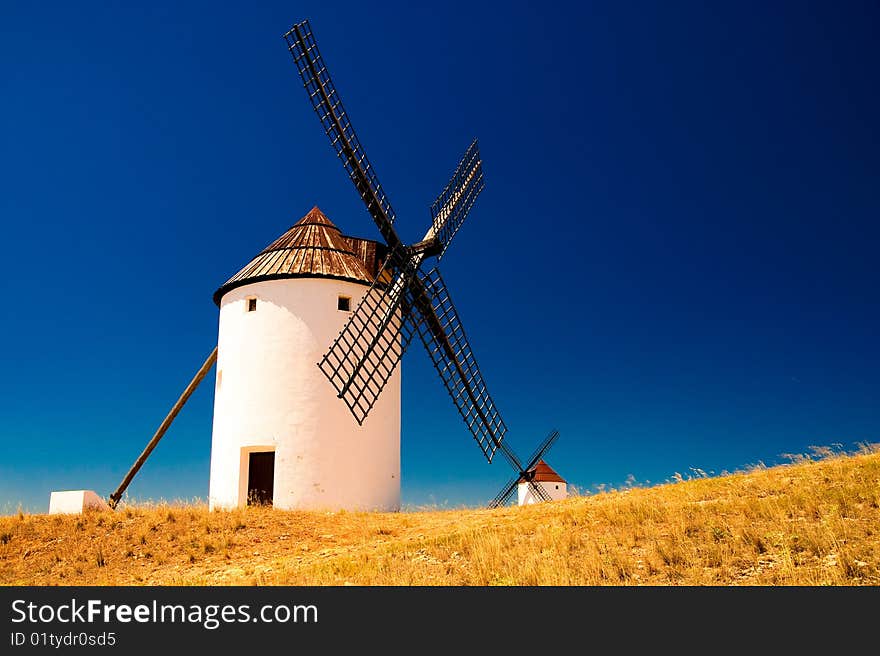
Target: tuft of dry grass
[812,522]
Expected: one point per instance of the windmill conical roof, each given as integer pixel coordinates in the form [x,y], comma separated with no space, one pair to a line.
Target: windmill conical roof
[312,248]
[544,473]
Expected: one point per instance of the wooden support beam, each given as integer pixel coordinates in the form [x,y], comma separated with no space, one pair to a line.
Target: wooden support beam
[117,495]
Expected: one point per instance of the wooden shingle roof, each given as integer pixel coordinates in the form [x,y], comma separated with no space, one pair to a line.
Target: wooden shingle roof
[544,473]
[312,248]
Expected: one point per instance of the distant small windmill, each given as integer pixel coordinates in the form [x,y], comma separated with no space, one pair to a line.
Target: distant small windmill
[316,453]
[529,479]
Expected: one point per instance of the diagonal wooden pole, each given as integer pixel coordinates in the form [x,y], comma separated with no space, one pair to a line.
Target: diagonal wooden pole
[117,495]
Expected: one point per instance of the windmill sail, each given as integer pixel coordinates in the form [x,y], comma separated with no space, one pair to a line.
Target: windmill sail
[542,448]
[334,119]
[445,341]
[451,208]
[362,359]
[506,493]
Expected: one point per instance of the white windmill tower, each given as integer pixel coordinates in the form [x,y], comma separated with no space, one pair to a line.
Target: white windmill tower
[280,434]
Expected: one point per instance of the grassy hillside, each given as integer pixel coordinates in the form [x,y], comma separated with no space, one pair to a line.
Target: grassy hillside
[812,523]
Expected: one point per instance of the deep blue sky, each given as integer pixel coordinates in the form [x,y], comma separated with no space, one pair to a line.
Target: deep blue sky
[674,261]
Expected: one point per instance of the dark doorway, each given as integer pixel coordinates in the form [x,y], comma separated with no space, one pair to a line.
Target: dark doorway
[261,473]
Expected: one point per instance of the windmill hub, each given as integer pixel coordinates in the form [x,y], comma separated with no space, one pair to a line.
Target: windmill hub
[426,247]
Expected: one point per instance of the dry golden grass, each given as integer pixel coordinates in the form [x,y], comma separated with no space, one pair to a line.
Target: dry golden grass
[810,523]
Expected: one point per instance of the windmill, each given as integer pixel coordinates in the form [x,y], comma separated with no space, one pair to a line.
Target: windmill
[527,475]
[410,301]
[402,300]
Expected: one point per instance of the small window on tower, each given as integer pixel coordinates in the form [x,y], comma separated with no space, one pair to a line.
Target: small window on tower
[344,303]
[252,305]
[557,487]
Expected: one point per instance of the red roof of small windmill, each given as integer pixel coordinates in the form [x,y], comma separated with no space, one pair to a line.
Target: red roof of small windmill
[312,248]
[544,473]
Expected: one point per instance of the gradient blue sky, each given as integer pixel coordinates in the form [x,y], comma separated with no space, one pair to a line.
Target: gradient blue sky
[674,261]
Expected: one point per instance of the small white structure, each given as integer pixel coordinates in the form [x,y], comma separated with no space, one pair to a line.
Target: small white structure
[553,484]
[75,502]
[280,433]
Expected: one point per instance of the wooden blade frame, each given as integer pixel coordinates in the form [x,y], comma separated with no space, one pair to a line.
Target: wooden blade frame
[542,448]
[454,203]
[334,119]
[444,339]
[503,497]
[361,360]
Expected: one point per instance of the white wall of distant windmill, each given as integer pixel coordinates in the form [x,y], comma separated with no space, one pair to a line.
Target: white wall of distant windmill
[271,396]
[526,495]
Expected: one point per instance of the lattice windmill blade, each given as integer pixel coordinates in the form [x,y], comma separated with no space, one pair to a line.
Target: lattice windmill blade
[444,339]
[334,119]
[362,358]
[511,457]
[542,448]
[503,497]
[539,490]
[451,208]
